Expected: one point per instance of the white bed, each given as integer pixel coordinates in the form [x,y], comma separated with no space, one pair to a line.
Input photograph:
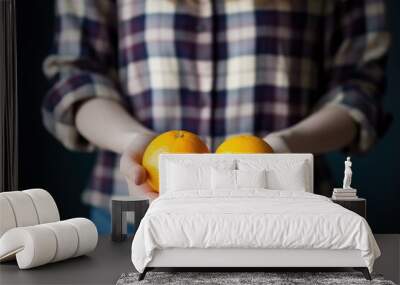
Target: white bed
[202,226]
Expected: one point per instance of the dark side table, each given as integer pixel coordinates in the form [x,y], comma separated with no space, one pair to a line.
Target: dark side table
[358,205]
[120,205]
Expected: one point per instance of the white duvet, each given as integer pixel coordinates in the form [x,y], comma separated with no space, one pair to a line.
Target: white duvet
[250,219]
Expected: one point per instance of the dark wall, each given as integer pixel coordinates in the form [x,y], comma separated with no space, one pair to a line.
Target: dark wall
[45,163]
[376,174]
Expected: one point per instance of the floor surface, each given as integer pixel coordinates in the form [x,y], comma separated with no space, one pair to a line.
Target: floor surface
[110,260]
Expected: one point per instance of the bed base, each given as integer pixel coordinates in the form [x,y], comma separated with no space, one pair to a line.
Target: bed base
[242,259]
[363,270]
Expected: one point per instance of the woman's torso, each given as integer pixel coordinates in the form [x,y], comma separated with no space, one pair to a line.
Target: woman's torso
[235,66]
[216,68]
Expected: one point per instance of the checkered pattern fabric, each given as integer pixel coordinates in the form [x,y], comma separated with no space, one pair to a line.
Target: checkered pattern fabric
[215,68]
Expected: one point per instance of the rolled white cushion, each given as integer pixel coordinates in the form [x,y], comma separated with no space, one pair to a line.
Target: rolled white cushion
[67,240]
[40,244]
[7,218]
[23,208]
[45,205]
[33,246]
[87,235]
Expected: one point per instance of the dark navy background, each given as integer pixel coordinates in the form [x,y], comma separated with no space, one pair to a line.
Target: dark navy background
[45,163]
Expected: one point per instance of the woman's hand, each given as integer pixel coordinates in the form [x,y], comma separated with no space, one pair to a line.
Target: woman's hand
[330,128]
[131,166]
[117,131]
[278,142]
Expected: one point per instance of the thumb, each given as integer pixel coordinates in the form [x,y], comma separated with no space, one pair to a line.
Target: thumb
[132,170]
[139,174]
[143,189]
[277,142]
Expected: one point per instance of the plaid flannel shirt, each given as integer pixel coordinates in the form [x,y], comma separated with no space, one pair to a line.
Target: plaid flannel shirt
[215,68]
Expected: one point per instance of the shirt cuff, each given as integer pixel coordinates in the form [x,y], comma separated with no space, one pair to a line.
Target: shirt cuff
[61,103]
[362,110]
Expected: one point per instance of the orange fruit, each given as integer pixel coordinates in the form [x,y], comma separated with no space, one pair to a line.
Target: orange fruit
[244,144]
[175,141]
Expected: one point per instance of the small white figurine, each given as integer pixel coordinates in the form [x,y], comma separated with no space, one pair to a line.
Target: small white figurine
[348,173]
[347,192]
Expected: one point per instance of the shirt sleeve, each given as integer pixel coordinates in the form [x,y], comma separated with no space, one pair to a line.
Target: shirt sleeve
[81,65]
[355,48]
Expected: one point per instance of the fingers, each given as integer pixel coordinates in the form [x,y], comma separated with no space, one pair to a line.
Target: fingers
[132,170]
[144,189]
[135,176]
[139,175]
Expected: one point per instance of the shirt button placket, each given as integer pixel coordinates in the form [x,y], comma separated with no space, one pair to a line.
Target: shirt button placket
[204,65]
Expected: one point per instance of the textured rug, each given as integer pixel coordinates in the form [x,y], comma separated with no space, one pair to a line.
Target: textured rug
[243,278]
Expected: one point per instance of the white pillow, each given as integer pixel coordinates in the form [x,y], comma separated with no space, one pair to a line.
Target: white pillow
[182,177]
[251,178]
[281,175]
[292,179]
[188,174]
[225,179]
